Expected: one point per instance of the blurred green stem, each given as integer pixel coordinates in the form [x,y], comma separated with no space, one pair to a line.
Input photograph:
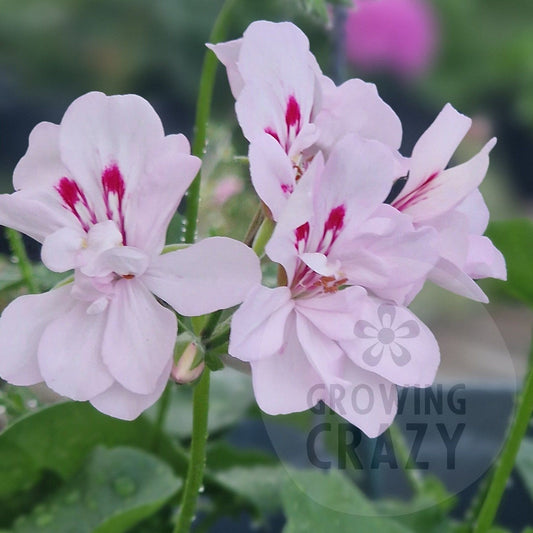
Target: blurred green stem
[19,251]
[263,236]
[203,109]
[162,410]
[195,472]
[415,480]
[505,463]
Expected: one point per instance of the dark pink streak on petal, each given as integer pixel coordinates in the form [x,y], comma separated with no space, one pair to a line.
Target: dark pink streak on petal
[113,184]
[272,133]
[415,196]
[293,115]
[335,220]
[302,234]
[72,195]
[286,188]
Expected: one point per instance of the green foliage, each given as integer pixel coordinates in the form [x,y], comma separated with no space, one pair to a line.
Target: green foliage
[56,441]
[230,398]
[514,239]
[524,464]
[319,8]
[315,501]
[112,492]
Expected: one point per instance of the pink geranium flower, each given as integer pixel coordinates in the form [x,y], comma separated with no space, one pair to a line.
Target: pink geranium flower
[98,191]
[340,248]
[288,109]
[448,200]
[397,35]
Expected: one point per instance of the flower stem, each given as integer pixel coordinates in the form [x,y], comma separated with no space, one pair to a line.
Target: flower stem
[19,251]
[263,236]
[415,480]
[255,224]
[203,109]
[504,466]
[162,410]
[195,472]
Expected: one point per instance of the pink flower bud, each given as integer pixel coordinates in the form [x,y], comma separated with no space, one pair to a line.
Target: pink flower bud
[185,371]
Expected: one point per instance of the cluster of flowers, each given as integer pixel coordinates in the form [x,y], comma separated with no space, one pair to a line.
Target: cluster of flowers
[359,229]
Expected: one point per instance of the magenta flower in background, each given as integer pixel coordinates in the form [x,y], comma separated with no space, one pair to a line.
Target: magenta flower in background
[396,35]
[336,241]
[98,191]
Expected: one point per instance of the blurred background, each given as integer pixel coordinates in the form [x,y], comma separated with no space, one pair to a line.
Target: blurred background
[477,55]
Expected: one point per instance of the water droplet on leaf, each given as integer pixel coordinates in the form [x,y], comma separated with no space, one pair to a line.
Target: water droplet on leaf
[124,486]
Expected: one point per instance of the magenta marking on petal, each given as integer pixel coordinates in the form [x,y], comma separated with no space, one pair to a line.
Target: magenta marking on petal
[302,234]
[272,133]
[286,188]
[114,185]
[73,196]
[416,195]
[335,220]
[293,115]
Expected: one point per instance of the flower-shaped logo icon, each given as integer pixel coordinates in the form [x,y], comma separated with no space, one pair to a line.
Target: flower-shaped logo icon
[385,337]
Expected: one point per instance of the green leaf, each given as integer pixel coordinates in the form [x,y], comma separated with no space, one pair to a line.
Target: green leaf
[57,439]
[257,485]
[223,456]
[514,239]
[315,8]
[230,398]
[315,501]
[115,490]
[524,464]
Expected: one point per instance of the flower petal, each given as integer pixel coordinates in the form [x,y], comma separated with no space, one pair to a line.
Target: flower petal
[169,171]
[273,176]
[98,130]
[37,213]
[286,382]
[139,337]
[228,54]
[355,107]
[258,326]
[61,249]
[484,259]
[126,405]
[454,279]
[414,356]
[41,165]
[28,316]
[215,273]
[361,397]
[436,146]
[450,187]
[70,354]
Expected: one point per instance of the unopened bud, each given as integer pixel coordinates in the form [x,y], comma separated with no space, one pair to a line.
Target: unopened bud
[187,369]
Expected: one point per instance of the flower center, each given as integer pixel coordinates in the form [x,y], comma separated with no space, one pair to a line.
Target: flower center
[386,336]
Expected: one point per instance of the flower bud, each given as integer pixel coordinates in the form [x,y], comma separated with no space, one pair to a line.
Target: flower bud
[187,369]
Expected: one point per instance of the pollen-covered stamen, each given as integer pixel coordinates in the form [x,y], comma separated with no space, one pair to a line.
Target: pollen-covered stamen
[329,284]
[114,190]
[76,202]
[420,193]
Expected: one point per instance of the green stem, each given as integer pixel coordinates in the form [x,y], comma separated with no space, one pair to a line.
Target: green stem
[401,450]
[195,472]
[505,464]
[263,236]
[162,410]
[254,226]
[212,322]
[19,251]
[203,109]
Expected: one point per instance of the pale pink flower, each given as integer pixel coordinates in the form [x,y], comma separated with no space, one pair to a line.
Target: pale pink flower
[448,200]
[397,35]
[226,188]
[98,191]
[288,109]
[340,248]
